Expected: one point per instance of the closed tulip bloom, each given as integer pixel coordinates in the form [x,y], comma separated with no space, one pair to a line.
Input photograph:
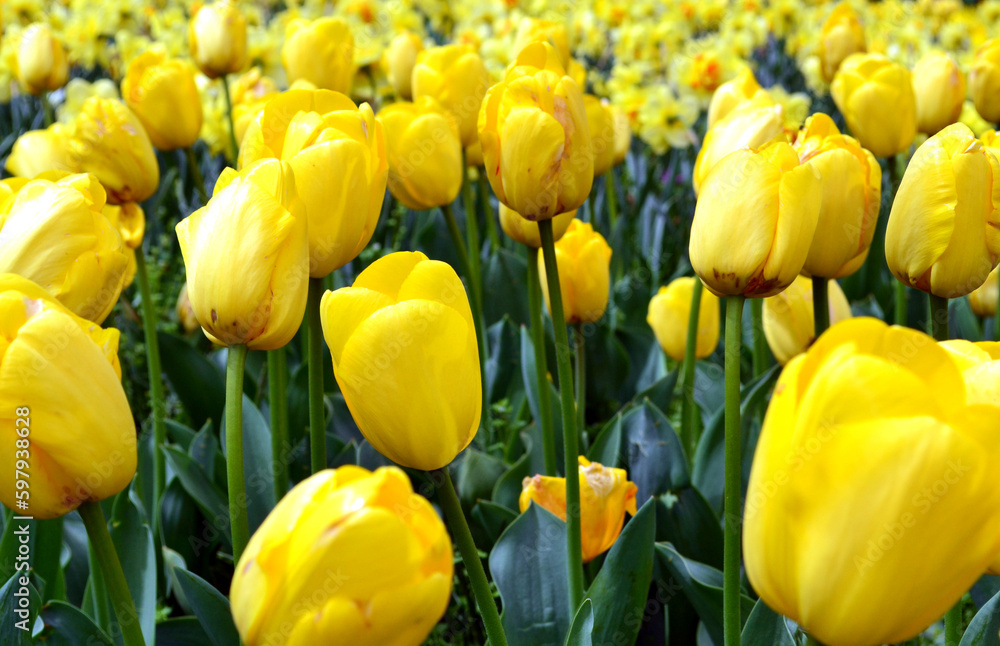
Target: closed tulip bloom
[163,95]
[751,124]
[668,315]
[64,372]
[404,334]
[130,222]
[217,36]
[37,151]
[605,495]
[754,222]
[939,89]
[735,92]
[526,231]
[535,137]
[250,93]
[536,30]
[584,260]
[348,556]
[185,312]
[851,195]
[983,299]
[338,153]
[980,366]
[41,60]
[252,228]
[456,76]
[876,98]
[984,80]
[398,61]
[320,51]
[789,326]
[623,134]
[474,155]
[424,152]
[943,235]
[601,122]
[884,413]
[842,35]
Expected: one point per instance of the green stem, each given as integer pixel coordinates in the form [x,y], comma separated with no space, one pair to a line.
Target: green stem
[48,116]
[487,209]
[611,190]
[581,384]
[472,233]
[812,641]
[470,556]
[107,558]
[98,590]
[688,430]
[234,449]
[317,414]
[821,306]
[759,341]
[541,365]
[733,479]
[939,317]
[570,447]
[953,625]
[196,177]
[229,115]
[277,383]
[591,214]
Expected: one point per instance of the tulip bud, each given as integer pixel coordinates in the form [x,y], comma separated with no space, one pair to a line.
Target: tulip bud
[605,495]
[789,326]
[841,36]
[876,97]
[851,195]
[250,93]
[337,151]
[939,89]
[943,235]
[536,141]
[526,231]
[349,556]
[983,299]
[217,36]
[754,222]
[984,80]
[584,260]
[254,228]
[398,61]
[601,122]
[456,76]
[37,151]
[623,135]
[62,373]
[320,51]
[404,334]
[884,413]
[733,93]
[536,30]
[424,153]
[669,314]
[163,95]
[41,60]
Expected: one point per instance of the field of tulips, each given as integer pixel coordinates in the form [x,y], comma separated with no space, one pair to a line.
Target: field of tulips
[519,322]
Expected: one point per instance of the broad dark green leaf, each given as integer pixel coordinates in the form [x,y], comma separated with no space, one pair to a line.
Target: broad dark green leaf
[505,291]
[985,627]
[183,631]
[765,626]
[211,608]
[528,378]
[508,488]
[709,387]
[179,433]
[19,605]
[685,519]
[134,544]
[46,557]
[489,521]
[581,632]
[65,625]
[478,473]
[198,383]
[178,518]
[502,367]
[213,503]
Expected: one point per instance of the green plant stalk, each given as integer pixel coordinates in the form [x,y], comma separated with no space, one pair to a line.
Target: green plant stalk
[277,385]
[235,364]
[733,483]
[229,115]
[570,446]
[580,377]
[821,305]
[939,317]
[470,556]
[472,234]
[812,641]
[759,342]
[98,590]
[611,190]
[317,414]
[196,177]
[107,558]
[688,431]
[591,209]
[953,625]
[541,365]
[48,115]
[487,208]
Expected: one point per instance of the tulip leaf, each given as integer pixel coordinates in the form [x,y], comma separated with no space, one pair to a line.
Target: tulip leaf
[204,449]
[134,543]
[183,631]
[685,519]
[985,627]
[478,473]
[181,434]
[984,589]
[529,565]
[47,556]
[621,586]
[65,625]
[508,488]
[709,387]
[258,467]
[491,520]
[531,391]
[505,291]
[581,632]
[210,500]
[211,608]
[502,364]
[963,322]
[18,619]
[178,518]
[198,383]
[765,626]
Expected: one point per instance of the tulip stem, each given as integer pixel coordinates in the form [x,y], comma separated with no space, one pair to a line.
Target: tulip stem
[229,114]
[98,590]
[487,208]
[114,578]
[759,342]
[239,525]
[953,625]
[47,114]
[570,447]
[472,233]
[939,317]
[610,189]
[317,417]
[688,430]
[821,307]
[277,383]
[733,478]
[581,383]
[470,556]
[196,177]
[541,365]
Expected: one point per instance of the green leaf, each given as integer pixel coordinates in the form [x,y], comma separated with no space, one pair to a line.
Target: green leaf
[183,631]
[211,608]
[65,625]
[508,488]
[198,383]
[258,467]
[210,500]
[181,434]
[765,626]
[528,378]
[505,288]
[502,365]
[134,544]
[18,617]
[709,387]
[985,627]
[580,633]
[478,473]
[178,518]
[46,554]
[489,521]
[685,519]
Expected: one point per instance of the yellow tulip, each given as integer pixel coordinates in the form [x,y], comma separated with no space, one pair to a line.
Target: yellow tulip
[605,495]
[130,222]
[163,95]
[107,139]
[623,134]
[62,372]
[851,195]
[535,30]
[217,35]
[404,334]
[601,122]
[37,151]
[884,413]
[733,93]
[474,155]
[980,366]
[983,299]
[842,35]
[320,51]
[250,93]
[41,60]
[338,153]
[939,88]
[185,311]
[876,98]
[526,232]
[398,61]
[668,315]
[984,80]
[535,137]
[349,556]
[754,222]
[789,326]
[583,257]
[253,228]
[990,140]
[456,76]
[424,152]
[943,235]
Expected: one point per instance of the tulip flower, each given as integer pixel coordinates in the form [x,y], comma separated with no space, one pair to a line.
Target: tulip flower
[584,258]
[605,495]
[526,232]
[250,93]
[984,80]
[939,89]
[535,137]
[63,372]
[254,228]
[623,134]
[456,76]
[983,299]
[876,98]
[130,222]
[404,334]
[424,153]
[668,315]
[535,30]
[842,35]
[943,235]
[320,51]
[217,35]
[185,312]
[41,60]
[398,61]
[733,93]
[980,366]
[163,95]
[37,151]
[601,122]
[789,326]
[347,556]
[885,413]
[754,221]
